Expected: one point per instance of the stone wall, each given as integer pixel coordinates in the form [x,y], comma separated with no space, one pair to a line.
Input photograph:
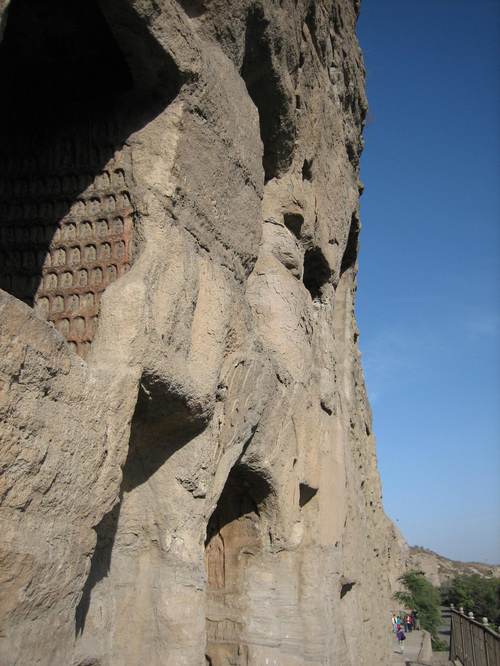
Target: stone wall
[189,473]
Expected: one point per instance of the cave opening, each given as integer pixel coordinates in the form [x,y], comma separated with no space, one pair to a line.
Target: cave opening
[317,272]
[234,538]
[293,222]
[351,250]
[306,494]
[264,86]
[193,8]
[346,587]
[307,173]
[67,210]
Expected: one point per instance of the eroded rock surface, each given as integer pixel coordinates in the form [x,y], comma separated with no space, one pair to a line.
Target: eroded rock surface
[189,474]
[440,570]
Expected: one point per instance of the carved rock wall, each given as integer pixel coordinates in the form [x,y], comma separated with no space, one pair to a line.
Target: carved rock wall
[189,474]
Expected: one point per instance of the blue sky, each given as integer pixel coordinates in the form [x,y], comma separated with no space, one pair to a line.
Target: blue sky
[429,278]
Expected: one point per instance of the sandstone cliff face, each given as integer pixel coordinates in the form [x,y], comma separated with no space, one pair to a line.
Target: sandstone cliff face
[189,474]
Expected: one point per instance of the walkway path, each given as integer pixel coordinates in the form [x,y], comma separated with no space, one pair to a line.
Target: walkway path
[413,643]
[445,628]
[412,646]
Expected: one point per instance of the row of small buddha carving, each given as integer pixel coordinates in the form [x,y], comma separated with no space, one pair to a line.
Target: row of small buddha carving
[77,327]
[87,254]
[97,276]
[74,303]
[60,257]
[57,156]
[68,231]
[62,208]
[82,347]
[24,285]
[66,184]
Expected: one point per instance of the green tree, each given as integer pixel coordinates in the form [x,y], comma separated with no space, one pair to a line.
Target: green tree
[420,595]
[474,593]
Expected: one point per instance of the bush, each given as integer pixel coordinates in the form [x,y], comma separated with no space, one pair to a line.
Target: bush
[475,593]
[439,645]
[420,595]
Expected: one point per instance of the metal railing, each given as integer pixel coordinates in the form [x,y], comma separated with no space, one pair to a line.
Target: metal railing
[473,643]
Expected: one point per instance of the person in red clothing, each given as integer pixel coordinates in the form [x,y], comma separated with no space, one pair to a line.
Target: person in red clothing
[408,623]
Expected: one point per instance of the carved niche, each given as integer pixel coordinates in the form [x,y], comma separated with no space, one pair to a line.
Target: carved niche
[61,247]
[66,210]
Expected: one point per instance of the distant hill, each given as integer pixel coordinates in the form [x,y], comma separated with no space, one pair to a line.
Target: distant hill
[439,569]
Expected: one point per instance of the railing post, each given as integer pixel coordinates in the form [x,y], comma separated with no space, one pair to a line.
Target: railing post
[472,642]
[461,624]
[486,651]
[452,620]
[486,657]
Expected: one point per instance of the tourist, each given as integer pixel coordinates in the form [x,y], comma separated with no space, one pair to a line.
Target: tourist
[408,623]
[394,623]
[401,638]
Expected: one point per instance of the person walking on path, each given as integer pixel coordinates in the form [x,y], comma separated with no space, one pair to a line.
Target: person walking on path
[394,623]
[401,639]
